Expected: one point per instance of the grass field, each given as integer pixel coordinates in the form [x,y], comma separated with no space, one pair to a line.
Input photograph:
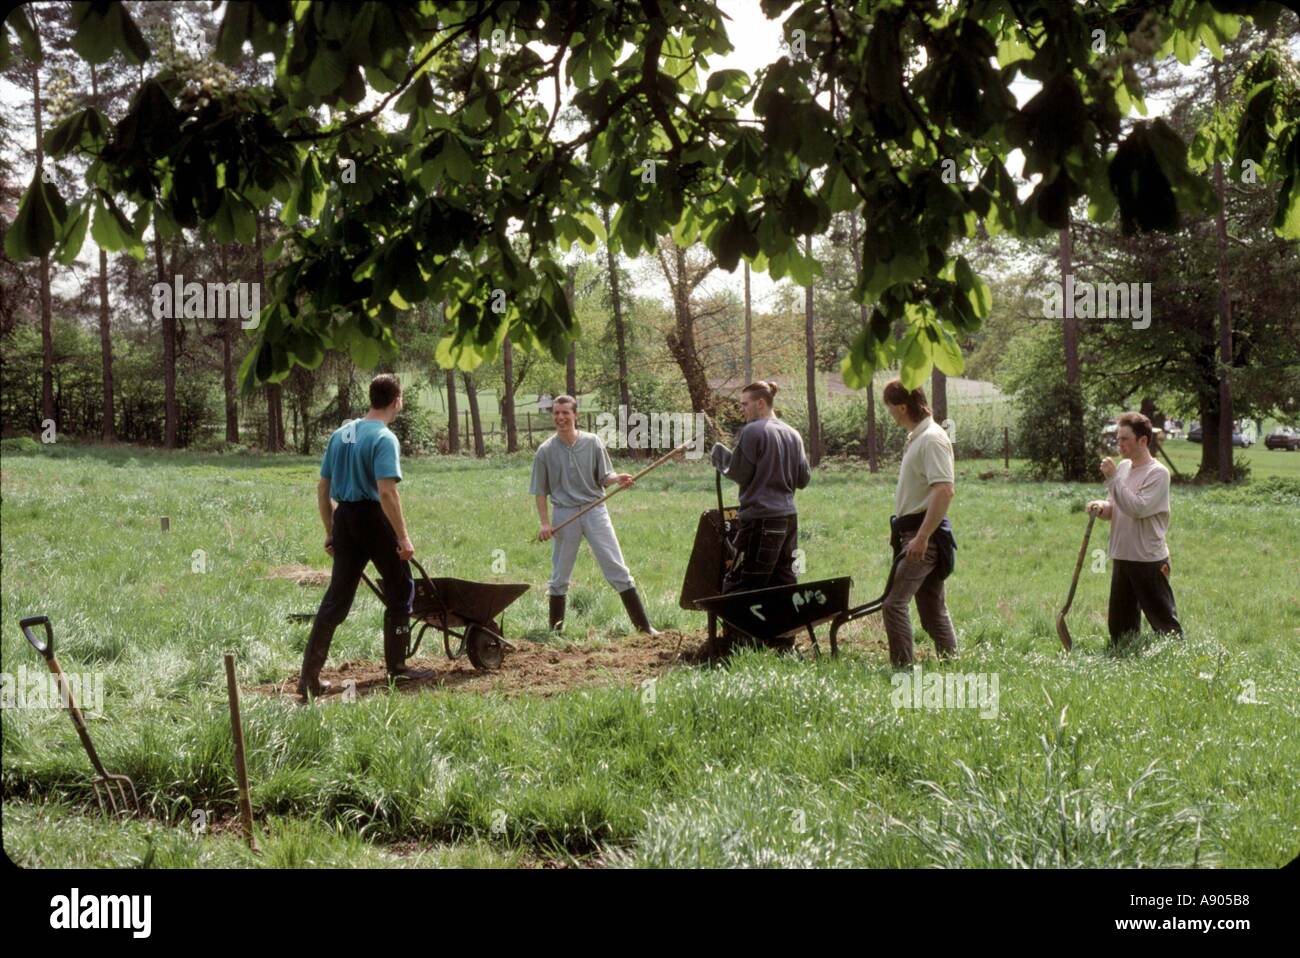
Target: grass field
[1168,753]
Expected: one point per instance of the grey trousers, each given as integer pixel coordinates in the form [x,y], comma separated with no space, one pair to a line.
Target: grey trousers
[909,581]
[596,528]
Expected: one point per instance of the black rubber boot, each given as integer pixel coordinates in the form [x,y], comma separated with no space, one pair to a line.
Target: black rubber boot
[636,611]
[557,613]
[397,633]
[313,660]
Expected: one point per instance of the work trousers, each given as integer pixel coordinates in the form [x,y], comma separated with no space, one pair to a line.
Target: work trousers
[362,533]
[596,528]
[764,557]
[912,579]
[1137,588]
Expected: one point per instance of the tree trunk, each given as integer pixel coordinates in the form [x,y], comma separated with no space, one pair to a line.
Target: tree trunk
[108,431]
[453,415]
[228,360]
[274,406]
[620,333]
[571,361]
[344,389]
[508,398]
[471,394]
[873,463]
[681,341]
[810,370]
[1074,465]
[48,406]
[749,332]
[1225,312]
[169,350]
[939,395]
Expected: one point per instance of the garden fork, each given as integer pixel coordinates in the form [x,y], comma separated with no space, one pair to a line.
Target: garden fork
[117,789]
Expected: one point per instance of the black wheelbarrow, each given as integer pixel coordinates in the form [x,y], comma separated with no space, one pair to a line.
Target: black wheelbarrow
[782,610]
[464,612]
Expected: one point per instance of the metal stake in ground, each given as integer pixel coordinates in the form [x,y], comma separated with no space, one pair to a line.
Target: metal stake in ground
[237,729]
[1061,630]
[587,508]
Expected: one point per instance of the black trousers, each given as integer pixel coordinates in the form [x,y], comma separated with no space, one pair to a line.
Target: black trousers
[764,557]
[362,533]
[1137,589]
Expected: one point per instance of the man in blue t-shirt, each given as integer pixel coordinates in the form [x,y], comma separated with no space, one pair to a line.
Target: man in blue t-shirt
[360,470]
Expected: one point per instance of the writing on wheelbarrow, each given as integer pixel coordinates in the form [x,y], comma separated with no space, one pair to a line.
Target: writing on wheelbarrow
[800,599]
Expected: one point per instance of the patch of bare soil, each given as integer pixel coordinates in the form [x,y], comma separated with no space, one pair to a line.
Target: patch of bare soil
[534,668]
[301,574]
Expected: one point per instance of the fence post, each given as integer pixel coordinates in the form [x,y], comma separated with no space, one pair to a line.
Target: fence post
[528,417]
[1006,447]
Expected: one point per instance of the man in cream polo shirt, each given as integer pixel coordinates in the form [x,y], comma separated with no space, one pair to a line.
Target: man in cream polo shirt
[1138,510]
[919,528]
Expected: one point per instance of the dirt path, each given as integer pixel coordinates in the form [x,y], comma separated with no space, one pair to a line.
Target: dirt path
[533,668]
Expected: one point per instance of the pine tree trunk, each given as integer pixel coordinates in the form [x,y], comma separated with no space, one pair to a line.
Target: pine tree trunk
[749,332]
[1075,466]
[105,329]
[873,463]
[508,397]
[228,360]
[453,415]
[1225,312]
[810,370]
[571,361]
[471,394]
[169,351]
[49,409]
[274,405]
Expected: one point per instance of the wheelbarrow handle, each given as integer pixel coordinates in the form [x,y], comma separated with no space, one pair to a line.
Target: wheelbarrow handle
[47,648]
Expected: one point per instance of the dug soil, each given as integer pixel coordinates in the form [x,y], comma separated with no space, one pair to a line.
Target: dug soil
[533,668]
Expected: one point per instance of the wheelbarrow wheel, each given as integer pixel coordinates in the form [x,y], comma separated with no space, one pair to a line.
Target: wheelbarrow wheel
[484,647]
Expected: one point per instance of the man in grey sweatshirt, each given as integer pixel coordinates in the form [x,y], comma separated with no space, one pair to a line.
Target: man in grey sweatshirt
[768,464]
[1138,510]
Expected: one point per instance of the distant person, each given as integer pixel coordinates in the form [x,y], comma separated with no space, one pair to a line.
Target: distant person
[768,464]
[360,470]
[1137,507]
[920,528]
[572,468]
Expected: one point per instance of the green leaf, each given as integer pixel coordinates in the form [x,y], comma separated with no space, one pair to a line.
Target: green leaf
[34,228]
[947,354]
[73,234]
[112,232]
[841,195]
[916,351]
[104,29]
[28,38]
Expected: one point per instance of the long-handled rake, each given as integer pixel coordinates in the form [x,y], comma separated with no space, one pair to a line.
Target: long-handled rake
[1061,630]
[117,789]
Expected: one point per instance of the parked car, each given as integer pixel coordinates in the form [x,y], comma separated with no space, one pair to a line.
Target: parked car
[1194,435]
[1284,438]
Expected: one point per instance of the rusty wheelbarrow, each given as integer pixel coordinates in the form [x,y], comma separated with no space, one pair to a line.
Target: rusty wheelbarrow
[463,612]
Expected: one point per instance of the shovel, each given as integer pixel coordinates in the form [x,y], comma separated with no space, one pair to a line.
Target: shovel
[1061,629]
[117,789]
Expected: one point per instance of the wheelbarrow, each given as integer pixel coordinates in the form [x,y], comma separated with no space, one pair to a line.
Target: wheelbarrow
[463,612]
[783,610]
[117,789]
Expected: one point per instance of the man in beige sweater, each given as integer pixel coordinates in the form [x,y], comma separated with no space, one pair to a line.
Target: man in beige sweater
[1137,506]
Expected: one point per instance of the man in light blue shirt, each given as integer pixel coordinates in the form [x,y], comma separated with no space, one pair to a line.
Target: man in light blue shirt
[360,470]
